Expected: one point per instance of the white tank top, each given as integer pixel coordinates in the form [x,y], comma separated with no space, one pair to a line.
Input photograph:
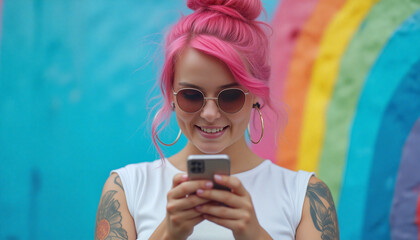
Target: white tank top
[277,195]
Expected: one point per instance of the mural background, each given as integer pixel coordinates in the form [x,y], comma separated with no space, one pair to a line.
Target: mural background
[76,88]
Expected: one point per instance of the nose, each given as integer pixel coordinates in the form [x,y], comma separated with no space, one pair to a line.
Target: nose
[210,111]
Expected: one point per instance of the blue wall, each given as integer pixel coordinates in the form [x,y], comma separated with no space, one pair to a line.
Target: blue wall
[76,80]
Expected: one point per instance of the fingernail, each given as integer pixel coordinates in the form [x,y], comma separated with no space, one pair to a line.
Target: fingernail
[184,177]
[209,184]
[200,191]
[217,177]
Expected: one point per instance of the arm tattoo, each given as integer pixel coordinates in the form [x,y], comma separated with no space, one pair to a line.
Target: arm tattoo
[117,180]
[108,219]
[323,217]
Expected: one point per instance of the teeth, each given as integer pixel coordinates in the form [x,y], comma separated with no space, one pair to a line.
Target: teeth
[214,130]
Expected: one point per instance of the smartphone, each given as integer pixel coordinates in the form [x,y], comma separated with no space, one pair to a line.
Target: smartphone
[204,167]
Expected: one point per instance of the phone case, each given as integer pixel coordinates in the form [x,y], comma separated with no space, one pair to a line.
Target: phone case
[203,167]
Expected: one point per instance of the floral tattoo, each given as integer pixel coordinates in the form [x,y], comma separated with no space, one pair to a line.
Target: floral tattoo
[324,216]
[117,181]
[108,219]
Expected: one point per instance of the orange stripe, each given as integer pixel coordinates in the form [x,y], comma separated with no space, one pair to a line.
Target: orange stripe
[298,79]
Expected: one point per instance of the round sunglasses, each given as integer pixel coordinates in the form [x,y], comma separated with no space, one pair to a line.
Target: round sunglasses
[229,100]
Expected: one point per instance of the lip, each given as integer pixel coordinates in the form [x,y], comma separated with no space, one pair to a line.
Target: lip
[211,135]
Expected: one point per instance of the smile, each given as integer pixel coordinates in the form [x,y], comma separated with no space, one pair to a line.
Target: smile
[211,130]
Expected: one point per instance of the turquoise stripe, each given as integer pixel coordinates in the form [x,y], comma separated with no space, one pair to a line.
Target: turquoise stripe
[397,58]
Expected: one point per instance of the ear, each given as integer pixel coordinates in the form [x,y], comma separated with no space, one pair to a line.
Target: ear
[255,101]
[173,98]
[256,105]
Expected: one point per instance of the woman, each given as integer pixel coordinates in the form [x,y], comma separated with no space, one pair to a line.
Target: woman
[215,76]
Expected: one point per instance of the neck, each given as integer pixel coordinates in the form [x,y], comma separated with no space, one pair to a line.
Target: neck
[242,158]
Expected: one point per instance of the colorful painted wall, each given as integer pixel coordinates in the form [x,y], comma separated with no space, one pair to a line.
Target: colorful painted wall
[76,87]
[349,72]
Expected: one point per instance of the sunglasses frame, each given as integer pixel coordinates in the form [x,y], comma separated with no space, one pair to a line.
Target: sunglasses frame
[210,98]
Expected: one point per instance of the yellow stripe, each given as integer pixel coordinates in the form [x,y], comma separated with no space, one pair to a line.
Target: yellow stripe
[325,72]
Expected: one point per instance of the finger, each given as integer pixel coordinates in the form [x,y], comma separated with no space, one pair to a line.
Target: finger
[221,211]
[221,196]
[185,203]
[179,178]
[227,223]
[196,220]
[189,187]
[231,182]
[186,215]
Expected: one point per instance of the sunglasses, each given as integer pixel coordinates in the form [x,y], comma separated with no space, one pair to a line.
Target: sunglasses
[229,100]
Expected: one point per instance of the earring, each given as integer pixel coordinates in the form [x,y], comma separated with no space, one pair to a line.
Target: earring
[257,107]
[170,144]
[173,106]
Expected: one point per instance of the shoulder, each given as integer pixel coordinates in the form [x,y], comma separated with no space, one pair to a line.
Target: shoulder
[316,187]
[113,217]
[286,180]
[142,179]
[319,217]
[290,178]
[143,166]
[136,176]
[134,173]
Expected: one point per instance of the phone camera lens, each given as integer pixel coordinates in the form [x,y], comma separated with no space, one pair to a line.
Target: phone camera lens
[197,167]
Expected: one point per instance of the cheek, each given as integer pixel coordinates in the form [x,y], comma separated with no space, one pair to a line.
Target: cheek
[184,121]
[244,115]
[240,122]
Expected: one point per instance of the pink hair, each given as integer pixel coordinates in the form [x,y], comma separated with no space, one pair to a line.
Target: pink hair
[227,30]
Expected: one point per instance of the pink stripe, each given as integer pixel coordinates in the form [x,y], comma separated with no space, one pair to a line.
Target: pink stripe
[418,217]
[287,23]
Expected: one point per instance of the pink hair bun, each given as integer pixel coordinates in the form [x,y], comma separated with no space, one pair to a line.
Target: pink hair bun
[244,9]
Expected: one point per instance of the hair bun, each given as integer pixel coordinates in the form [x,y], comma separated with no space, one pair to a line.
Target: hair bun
[248,9]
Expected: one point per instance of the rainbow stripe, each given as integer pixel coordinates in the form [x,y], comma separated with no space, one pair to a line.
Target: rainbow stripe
[297,81]
[350,73]
[283,41]
[336,40]
[418,215]
[406,196]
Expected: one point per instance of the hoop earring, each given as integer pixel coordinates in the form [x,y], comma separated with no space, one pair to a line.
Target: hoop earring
[170,144]
[257,106]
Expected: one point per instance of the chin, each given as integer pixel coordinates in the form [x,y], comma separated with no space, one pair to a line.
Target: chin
[208,149]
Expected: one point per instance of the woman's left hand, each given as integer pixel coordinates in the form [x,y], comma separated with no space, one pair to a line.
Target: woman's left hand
[237,213]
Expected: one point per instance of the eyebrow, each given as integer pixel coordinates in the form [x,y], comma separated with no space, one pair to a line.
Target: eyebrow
[195,86]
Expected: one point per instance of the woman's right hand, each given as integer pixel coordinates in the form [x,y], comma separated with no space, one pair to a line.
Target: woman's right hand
[181,214]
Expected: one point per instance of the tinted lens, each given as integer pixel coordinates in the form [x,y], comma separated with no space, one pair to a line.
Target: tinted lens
[190,100]
[231,100]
